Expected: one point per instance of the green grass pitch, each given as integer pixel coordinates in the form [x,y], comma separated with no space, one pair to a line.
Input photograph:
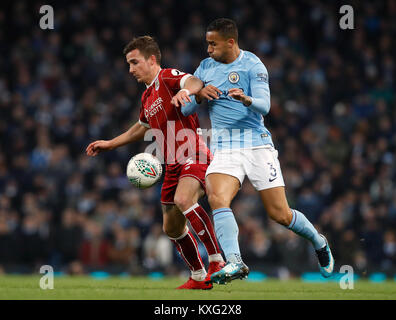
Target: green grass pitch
[19,287]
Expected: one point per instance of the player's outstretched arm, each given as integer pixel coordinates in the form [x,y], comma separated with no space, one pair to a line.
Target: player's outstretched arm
[135,133]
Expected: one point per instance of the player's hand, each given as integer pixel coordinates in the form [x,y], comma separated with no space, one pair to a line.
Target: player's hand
[239,95]
[98,146]
[209,92]
[181,98]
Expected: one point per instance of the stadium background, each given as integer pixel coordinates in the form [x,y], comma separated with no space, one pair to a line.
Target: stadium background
[332,117]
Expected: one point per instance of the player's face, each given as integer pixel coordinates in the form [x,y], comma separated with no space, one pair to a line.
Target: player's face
[218,47]
[139,67]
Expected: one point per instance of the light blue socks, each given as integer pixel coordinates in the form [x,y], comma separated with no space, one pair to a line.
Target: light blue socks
[227,232]
[301,226]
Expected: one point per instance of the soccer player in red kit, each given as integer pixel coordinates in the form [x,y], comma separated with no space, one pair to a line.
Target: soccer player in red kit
[184,181]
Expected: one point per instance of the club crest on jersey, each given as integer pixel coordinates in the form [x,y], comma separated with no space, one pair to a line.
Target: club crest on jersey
[156,84]
[233,77]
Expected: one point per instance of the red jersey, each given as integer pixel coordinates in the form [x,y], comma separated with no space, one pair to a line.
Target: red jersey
[179,136]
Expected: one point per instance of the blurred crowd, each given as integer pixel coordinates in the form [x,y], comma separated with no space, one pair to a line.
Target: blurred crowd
[333,120]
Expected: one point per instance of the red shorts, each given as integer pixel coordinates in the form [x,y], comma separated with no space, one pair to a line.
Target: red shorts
[172,175]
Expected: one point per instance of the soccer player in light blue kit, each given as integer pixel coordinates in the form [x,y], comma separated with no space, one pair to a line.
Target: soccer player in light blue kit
[237,90]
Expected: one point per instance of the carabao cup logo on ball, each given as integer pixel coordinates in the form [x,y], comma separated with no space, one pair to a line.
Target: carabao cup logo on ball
[144,170]
[233,77]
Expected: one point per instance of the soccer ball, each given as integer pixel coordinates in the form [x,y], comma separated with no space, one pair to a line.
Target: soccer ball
[144,170]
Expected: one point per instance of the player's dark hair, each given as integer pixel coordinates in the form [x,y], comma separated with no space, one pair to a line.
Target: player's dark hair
[227,28]
[146,45]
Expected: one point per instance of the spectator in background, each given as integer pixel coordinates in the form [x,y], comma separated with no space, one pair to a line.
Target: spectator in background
[157,250]
[293,253]
[94,250]
[10,243]
[122,251]
[68,238]
[389,249]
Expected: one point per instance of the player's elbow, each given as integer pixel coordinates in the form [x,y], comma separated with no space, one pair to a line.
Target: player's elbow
[266,110]
[193,84]
[261,106]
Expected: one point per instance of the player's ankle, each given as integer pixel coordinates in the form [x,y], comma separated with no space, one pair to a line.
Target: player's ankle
[198,275]
[215,258]
[234,258]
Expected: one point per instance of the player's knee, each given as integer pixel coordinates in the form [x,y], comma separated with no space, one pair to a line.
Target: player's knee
[217,201]
[284,220]
[183,202]
[173,230]
[280,215]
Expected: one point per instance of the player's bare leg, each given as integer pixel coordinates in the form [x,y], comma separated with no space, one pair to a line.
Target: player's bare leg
[174,222]
[221,190]
[277,207]
[174,225]
[188,191]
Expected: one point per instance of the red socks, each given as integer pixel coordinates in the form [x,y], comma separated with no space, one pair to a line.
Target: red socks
[203,228]
[187,246]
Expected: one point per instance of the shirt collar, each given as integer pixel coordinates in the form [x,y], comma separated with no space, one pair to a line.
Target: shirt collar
[147,86]
[241,52]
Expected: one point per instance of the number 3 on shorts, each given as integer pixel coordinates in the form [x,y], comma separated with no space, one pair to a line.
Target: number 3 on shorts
[273,172]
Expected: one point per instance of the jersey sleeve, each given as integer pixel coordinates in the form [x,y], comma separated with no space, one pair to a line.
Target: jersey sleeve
[198,72]
[175,79]
[259,87]
[190,107]
[142,119]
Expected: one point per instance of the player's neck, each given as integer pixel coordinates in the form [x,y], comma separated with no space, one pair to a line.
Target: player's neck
[234,54]
[154,73]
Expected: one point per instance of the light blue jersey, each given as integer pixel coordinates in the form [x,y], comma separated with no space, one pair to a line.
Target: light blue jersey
[234,125]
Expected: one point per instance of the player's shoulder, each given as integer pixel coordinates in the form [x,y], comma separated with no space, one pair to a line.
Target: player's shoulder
[171,72]
[250,58]
[207,63]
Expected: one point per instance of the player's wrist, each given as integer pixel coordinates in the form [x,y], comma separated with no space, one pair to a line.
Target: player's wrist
[112,144]
[247,101]
[186,90]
